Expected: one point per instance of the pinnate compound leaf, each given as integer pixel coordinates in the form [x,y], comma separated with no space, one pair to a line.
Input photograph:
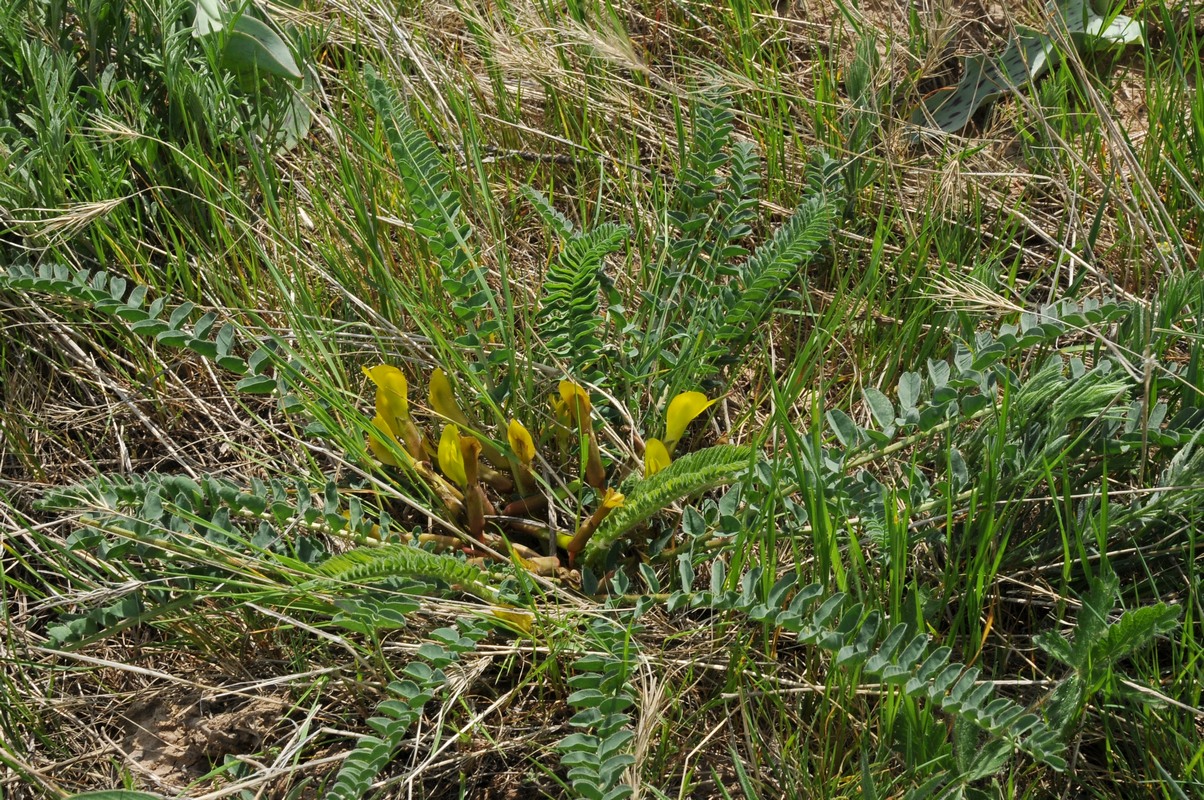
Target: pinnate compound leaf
[687,476]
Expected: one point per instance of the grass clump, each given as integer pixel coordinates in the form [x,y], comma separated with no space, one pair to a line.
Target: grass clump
[596,401]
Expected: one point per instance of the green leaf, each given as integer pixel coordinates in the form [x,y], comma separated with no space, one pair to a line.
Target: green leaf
[958,471]
[179,315]
[210,15]
[296,120]
[256,384]
[692,473]
[1092,621]
[115,794]
[1064,704]
[949,109]
[1056,645]
[172,338]
[1027,57]
[766,274]
[1121,30]
[253,46]
[1132,631]
[685,571]
[881,408]
[846,430]
[1090,28]
[910,385]
[568,320]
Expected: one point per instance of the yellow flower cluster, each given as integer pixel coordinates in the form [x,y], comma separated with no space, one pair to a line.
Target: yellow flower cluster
[398,442]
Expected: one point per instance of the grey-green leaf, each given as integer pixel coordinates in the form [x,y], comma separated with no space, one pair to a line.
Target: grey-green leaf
[209,17]
[881,408]
[846,430]
[910,385]
[255,46]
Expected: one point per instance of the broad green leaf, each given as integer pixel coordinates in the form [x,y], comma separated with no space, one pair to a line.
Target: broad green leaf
[295,121]
[958,470]
[882,409]
[1092,620]
[1064,703]
[256,384]
[989,759]
[949,109]
[1027,57]
[253,46]
[845,429]
[910,385]
[1088,27]
[210,16]
[685,572]
[1120,31]
[1056,645]
[938,372]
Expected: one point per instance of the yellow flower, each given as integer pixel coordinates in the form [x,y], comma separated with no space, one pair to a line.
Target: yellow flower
[444,401]
[613,499]
[610,501]
[379,444]
[682,411]
[451,459]
[656,457]
[522,620]
[575,402]
[521,443]
[391,388]
[393,410]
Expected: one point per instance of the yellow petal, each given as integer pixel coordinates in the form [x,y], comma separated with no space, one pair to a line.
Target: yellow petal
[392,405]
[560,411]
[576,401]
[521,442]
[523,620]
[391,386]
[443,401]
[656,457]
[379,444]
[451,460]
[682,411]
[613,499]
